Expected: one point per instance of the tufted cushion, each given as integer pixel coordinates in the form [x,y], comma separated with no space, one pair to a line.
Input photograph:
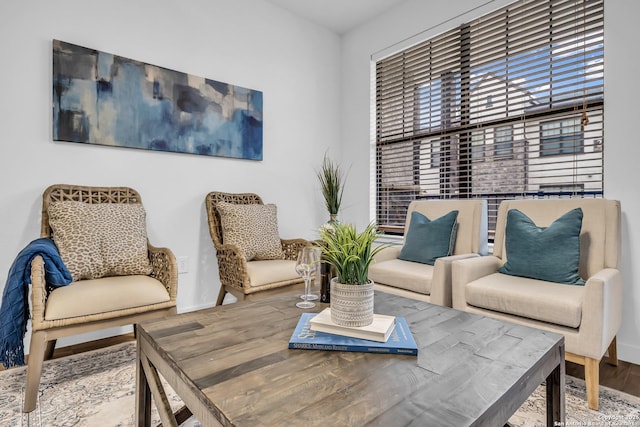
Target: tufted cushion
[98,240]
[253,228]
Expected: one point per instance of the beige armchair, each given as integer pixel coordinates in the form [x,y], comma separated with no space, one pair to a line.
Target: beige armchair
[90,304]
[238,275]
[432,283]
[588,316]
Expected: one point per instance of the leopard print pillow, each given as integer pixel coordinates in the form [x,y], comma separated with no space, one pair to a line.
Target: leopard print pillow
[253,228]
[98,240]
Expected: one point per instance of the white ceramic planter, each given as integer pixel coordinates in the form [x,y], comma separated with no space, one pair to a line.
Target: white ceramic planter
[351,305]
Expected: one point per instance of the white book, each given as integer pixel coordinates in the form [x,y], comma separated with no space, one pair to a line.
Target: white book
[379,330]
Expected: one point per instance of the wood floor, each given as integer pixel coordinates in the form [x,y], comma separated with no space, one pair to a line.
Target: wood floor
[625,377]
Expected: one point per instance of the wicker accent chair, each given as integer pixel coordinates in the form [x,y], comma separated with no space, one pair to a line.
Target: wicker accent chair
[158,290]
[236,273]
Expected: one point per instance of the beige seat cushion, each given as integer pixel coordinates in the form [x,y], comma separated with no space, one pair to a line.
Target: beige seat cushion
[96,296]
[99,240]
[271,271]
[536,299]
[411,276]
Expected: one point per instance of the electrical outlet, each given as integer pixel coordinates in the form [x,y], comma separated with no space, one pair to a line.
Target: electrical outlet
[183,264]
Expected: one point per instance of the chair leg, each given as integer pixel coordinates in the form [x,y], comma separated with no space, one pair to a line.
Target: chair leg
[51,346]
[592,381]
[37,351]
[612,353]
[221,295]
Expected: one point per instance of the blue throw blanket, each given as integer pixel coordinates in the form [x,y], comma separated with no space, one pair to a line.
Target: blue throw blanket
[14,312]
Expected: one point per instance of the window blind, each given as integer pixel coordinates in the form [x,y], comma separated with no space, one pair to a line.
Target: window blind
[507,106]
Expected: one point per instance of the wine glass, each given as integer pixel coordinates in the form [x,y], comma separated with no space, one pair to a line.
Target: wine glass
[314,279]
[306,265]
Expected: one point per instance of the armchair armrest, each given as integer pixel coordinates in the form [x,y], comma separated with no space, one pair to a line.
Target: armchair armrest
[388,253]
[232,266]
[38,293]
[601,311]
[441,281]
[464,271]
[164,268]
[291,247]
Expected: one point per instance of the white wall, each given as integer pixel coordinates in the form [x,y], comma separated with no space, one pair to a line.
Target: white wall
[248,43]
[622,151]
[417,20]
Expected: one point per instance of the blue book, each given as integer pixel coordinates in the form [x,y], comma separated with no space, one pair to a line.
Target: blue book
[400,342]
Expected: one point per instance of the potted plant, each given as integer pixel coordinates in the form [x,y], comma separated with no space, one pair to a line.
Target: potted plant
[350,254]
[331,180]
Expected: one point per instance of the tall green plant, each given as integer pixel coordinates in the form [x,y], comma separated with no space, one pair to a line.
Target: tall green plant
[331,180]
[349,252]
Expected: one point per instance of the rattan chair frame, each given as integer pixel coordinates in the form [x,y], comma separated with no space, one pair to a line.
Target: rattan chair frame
[232,265]
[45,332]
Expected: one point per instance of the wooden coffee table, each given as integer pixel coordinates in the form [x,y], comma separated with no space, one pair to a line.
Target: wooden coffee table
[231,366]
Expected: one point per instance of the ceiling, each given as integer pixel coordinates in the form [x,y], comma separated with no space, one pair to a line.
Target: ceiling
[339,16]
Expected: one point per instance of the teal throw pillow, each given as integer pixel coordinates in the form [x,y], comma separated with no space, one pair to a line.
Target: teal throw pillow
[428,240]
[546,253]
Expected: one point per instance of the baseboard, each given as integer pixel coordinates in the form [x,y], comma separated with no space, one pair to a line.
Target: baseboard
[628,353]
[195,307]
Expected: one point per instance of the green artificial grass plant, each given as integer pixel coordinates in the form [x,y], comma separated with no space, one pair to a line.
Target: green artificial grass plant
[331,180]
[349,252]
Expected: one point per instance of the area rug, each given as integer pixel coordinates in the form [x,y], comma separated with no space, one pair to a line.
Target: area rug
[97,388]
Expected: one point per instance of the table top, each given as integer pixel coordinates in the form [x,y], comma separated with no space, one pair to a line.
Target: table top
[233,362]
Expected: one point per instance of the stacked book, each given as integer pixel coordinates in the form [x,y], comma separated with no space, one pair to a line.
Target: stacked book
[387,334]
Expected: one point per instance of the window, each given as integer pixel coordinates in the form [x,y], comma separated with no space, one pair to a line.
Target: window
[504,140]
[477,145]
[493,110]
[435,154]
[489,101]
[567,189]
[561,137]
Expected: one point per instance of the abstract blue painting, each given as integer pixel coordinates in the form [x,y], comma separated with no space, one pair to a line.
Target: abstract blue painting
[101,98]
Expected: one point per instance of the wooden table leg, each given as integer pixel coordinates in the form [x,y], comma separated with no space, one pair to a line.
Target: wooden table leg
[555,394]
[143,392]
[153,388]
